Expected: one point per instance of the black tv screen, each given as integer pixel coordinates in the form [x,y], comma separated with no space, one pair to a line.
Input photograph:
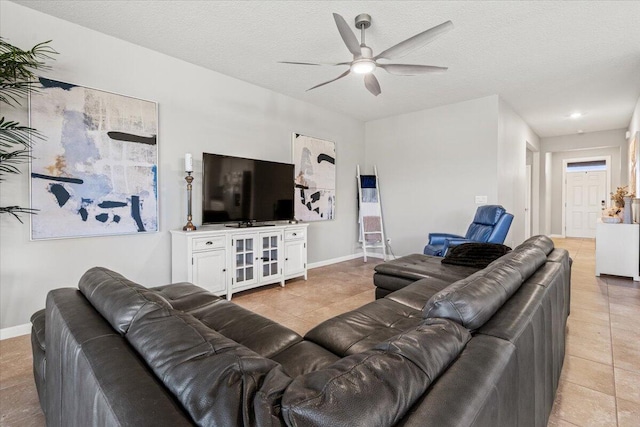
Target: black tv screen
[236,189]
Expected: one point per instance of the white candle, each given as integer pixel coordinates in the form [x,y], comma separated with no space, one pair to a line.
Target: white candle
[188,163]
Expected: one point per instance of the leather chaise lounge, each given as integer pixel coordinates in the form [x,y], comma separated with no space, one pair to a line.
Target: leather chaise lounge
[485,349]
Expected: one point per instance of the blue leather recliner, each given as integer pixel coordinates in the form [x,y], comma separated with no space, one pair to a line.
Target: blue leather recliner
[490,225]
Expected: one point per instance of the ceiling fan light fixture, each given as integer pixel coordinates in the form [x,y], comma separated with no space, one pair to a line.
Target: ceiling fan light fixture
[363,66]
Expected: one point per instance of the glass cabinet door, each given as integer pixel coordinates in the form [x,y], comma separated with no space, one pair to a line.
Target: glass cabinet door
[270,247]
[245,260]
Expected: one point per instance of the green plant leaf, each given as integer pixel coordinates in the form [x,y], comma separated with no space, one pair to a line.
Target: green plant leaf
[17,80]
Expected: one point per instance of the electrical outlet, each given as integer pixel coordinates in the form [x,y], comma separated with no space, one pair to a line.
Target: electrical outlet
[481,200]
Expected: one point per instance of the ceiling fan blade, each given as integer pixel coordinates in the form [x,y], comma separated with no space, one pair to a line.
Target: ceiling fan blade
[411,69]
[312,63]
[347,35]
[372,84]
[333,80]
[298,63]
[419,40]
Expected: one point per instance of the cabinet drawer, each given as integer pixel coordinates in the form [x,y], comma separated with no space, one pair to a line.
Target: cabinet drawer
[294,234]
[204,243]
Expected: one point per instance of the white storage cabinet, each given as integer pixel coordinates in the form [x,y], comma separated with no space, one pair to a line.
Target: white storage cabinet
[225,260]
[617,249]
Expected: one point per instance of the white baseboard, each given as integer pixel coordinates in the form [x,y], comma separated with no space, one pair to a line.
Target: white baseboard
[342,259]
[558,236]
[334,260]
[15,331]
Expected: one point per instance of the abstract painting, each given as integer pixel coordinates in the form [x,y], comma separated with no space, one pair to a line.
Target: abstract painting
[96,173]
[315,178]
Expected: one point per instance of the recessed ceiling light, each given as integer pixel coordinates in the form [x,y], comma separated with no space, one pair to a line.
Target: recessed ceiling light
[576,115]
[580,131]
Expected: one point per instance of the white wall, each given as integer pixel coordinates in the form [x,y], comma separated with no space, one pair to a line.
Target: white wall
[611,142]
[199,111]
[513,136]
[432,163]
[634,125]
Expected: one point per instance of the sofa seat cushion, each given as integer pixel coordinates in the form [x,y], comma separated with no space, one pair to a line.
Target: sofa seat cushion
[474,300]
[262,335]
[376,387]
[398,273]
[116,298]
[304,357]
[186,296]
[361,329]
[215,379]
[418,293]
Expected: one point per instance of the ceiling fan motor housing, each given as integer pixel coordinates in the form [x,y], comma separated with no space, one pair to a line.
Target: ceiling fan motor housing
[363,21]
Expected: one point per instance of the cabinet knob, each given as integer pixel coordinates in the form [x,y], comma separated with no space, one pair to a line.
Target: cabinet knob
[209,243]
[224,270]
[295,234]
[286,259]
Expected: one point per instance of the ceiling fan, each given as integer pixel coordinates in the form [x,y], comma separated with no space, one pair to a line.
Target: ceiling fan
[365,63]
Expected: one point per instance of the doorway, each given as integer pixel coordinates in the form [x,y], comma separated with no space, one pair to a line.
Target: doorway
[584,195]
[527,204]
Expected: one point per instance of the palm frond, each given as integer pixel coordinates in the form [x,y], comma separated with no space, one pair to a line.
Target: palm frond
[17,70]
[13,133]
[17,80]
[9,161]
[15,210]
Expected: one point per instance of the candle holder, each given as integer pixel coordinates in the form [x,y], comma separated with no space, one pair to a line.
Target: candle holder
[189,226]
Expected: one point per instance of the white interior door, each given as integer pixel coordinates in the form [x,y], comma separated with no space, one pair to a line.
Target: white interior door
[585,192]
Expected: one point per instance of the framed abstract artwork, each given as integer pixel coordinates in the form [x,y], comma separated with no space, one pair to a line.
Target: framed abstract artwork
[96,173]
[315,178]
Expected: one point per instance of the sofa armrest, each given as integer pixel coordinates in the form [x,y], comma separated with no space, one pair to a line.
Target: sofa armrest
[440,238]
[38,322]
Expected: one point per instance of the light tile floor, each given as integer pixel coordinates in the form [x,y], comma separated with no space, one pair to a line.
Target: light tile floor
[600,383]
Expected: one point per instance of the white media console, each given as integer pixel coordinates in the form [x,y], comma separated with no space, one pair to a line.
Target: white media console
[225,260]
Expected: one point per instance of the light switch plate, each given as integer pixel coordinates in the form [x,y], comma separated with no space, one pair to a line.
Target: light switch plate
[481,200]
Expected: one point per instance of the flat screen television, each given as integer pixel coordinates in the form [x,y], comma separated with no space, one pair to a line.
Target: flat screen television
[240,190]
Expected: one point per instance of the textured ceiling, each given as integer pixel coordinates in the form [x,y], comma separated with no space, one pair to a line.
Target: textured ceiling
[546,59]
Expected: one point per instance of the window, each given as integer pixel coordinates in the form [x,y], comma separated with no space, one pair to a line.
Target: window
[594,165]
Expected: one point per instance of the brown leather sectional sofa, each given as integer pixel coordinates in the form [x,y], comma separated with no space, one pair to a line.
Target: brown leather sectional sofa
[482,350]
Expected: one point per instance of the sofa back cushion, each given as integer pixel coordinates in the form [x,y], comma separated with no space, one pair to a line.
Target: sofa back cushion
[526,259]
[376,387]
[472,301]
[116,298]
[541,242]
[215,378]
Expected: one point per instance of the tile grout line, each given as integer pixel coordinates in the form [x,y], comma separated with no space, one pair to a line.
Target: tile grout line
[615,398]
[613,367]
